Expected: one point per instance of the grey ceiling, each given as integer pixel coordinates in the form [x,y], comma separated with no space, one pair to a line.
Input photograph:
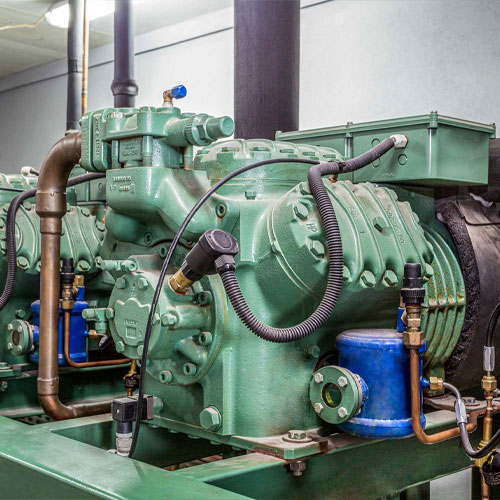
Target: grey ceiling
[24,48]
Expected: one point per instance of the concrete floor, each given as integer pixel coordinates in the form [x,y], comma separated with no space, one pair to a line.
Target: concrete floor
[453,487]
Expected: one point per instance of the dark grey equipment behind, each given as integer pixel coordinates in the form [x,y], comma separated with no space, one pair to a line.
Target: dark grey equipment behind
[266,67]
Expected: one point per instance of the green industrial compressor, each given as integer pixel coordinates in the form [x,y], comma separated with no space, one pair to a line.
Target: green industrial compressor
[284,308]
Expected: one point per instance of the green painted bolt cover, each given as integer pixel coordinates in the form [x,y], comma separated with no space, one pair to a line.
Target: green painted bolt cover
[109,313]
[83,265]
[250,194]
[301,211]
[142,284]
[428,271]
[313,351]
[168,319]
[204,298]
[4,365]
[338,396]
[85,212]
[317,248]
[120,283]
[367,279]
[346,274]
[304,188]
[100,226]
[23,262]
[120,346]
[20,313]
[390,278]
[210,418]
[166,377]
[140,349]
[190,369]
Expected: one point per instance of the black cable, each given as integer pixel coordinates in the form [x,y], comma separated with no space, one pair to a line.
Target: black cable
[15,190]
[326,168]
[462,424]
[10,282]
[335,254]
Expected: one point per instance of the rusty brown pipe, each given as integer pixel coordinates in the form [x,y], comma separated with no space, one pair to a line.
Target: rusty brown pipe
[51,207]
[85,364]
[415,408]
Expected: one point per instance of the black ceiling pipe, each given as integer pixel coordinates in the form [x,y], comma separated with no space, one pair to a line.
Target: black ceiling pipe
[124,87]
[266,67]
[75,61]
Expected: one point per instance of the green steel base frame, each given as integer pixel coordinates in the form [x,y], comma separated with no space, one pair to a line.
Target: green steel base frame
[69,459]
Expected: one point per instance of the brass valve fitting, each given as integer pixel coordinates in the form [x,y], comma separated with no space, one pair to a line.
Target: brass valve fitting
[488,383]
[435,383]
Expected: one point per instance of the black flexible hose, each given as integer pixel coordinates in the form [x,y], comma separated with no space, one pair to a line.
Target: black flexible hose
[347,166]
[10,233]
[464,435]
[492,323]
[335,254]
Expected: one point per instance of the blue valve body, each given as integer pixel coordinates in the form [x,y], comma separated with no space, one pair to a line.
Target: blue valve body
[178,92]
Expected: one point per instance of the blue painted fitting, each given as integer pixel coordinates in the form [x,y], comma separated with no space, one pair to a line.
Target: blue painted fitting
[425,383]
[382,361]
[401,324]
[78,331]
[178,92]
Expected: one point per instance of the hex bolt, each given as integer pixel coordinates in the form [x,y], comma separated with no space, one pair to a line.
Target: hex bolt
[140,349]
[297,435]
[4,386]
[304,188]
[313,351]
[120,346]
[250,194]
[367,279]
[121,283]
[428,271]
[318,377]
[166,377]
[4,365]
[298,467]
[142,284]
[23,262]
[317,249]
[100,226]
[10,327]
[301,211]
[346,274]
[109,313]
[390,278]
[342,412]
[342,381]
[318,408]
[20,313]
[168,320]
[210,418]
[85,212]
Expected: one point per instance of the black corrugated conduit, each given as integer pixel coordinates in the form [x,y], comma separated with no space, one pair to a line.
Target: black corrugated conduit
[328,218]
[10,233]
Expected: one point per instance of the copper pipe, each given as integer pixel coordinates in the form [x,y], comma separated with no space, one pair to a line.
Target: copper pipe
[51,207]
[85,65]
[85,364]
[415,408]
[487,433]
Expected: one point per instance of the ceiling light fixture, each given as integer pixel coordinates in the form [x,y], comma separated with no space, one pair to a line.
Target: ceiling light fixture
[58,15]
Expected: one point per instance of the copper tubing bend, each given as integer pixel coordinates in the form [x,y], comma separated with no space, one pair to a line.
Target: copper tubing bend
[51,207]
[415,408]
[85,364]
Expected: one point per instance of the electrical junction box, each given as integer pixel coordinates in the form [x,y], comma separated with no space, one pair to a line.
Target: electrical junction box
[441,150]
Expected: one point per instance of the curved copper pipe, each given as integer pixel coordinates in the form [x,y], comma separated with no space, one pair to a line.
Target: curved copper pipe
[85,364]
[51,207]
[415,408]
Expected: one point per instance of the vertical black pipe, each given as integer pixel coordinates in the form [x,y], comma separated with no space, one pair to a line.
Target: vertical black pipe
[124,86]
[75,54]
[266,67]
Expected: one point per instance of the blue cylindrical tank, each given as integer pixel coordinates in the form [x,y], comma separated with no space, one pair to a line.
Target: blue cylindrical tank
[380,358]
[78,331]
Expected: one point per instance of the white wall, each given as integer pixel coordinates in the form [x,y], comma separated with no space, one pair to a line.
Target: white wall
[360,60]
